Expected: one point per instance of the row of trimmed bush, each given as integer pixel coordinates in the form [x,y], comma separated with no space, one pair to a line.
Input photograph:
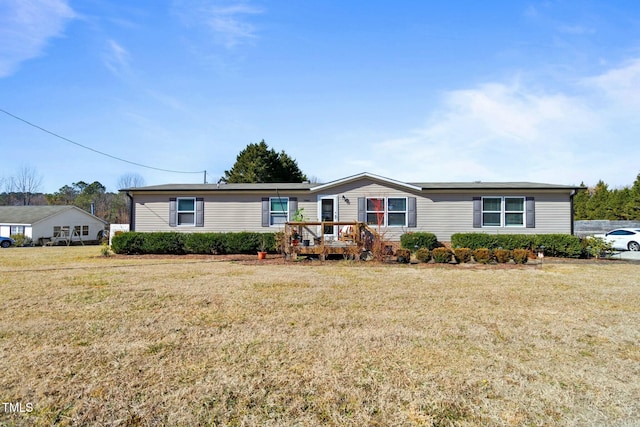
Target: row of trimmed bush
[556,245]
[245,242]
[444,255]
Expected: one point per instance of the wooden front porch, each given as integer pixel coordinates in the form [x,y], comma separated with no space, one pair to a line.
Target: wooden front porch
[323,238]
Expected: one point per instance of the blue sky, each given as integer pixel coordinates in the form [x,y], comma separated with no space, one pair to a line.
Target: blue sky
[544,91]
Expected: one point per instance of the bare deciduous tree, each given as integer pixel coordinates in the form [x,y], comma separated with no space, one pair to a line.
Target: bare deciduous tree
[131,180]
[26,182]
[121,204]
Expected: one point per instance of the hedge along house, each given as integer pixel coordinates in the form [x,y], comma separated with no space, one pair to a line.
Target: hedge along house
[47,223]
[395,207]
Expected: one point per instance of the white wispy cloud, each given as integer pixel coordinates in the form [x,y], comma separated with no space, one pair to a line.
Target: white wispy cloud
[116,58]
[26,27]
[620,86]
[228,22]
[511,131]
[230,25]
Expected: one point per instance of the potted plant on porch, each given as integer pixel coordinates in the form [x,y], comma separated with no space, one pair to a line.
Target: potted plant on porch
[298,216]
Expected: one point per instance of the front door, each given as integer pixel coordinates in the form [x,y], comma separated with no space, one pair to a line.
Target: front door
[328,207]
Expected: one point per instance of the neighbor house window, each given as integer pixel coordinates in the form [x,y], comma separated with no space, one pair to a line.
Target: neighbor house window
[81,230]
[61,231]
[503,211]
[278,210]
[16,230]
[386,212]
[186,211]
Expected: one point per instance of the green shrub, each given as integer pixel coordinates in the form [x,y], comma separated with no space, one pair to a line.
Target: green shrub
[520,256]
[414,241]
[104,250]
[246,242]
[241,243]
[129,243]
[403,255]
[423,255]
[164,243]
[482,255]
[474,240]
[21,240]
[557,245]
[193,243]
[441,255]
[502,255]
[462,254]
[595,247]
[493,241]
[204,243]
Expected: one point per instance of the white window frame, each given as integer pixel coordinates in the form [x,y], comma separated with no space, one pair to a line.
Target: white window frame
[178,212]
[61,230]
[278,213]
[503,212]
[81,230]
[404,212]
[376,212]
[385,211]
[17,230]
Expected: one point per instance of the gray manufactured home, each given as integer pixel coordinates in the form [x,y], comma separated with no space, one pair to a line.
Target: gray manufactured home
[393,207]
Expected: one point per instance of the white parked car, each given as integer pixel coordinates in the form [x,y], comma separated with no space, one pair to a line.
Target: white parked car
[623,238]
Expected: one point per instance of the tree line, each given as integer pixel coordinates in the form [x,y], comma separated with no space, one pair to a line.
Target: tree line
[600,202]
[23,190]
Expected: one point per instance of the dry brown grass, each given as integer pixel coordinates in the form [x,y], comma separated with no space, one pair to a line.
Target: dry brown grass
[184,342]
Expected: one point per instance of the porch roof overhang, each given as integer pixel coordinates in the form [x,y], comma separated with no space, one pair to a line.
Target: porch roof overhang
[364,175]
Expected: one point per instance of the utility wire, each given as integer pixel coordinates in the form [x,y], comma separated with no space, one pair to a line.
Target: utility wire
[93,149]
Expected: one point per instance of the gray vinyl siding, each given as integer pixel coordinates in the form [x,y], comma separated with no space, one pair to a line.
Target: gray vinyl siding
[442,212]
[222,212]
[453,213]
[348,211]
[445,214]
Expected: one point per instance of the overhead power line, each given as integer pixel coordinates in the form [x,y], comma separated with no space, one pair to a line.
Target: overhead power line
[93,149]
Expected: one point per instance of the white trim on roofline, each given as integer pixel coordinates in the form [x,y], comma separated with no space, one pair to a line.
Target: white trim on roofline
[365,175]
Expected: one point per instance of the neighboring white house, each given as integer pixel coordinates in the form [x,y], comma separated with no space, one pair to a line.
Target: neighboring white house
[396,207]
[46,223]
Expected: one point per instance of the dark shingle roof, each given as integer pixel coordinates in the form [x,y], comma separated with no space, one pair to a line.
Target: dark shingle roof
[306,186]
[225,187]
[476,185]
